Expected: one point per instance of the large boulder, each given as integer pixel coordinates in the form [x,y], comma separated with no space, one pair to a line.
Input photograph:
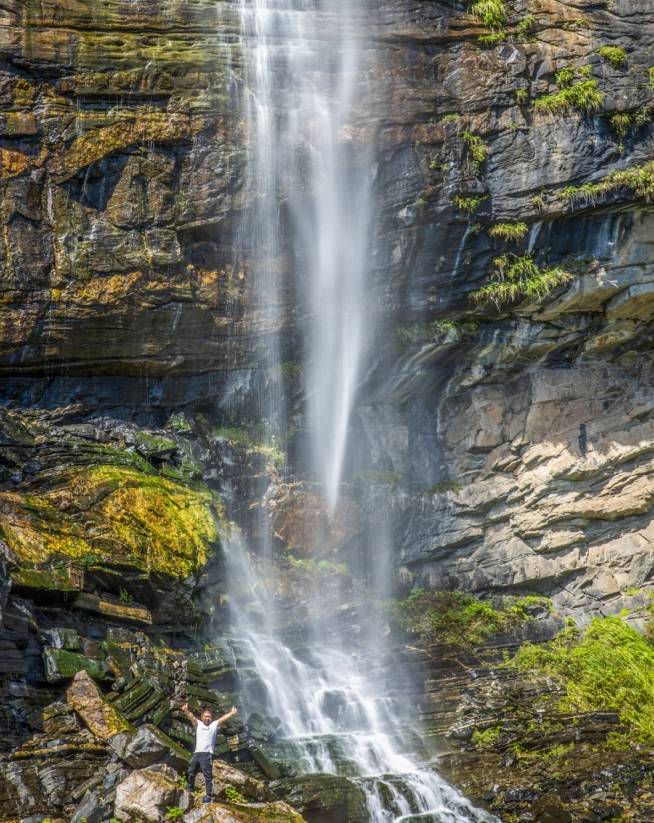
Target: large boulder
[147,794]
[100,717]
[226,776]
[149,745]
[244,813]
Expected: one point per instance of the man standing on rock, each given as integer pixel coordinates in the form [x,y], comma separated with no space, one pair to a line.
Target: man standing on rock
[206,729]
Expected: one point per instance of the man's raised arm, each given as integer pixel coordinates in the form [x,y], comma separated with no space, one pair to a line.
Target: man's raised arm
[192,719]
[227,716]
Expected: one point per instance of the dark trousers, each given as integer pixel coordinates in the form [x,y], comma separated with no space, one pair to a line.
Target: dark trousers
[200,761]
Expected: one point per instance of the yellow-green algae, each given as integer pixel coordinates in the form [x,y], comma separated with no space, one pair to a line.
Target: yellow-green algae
[115,514]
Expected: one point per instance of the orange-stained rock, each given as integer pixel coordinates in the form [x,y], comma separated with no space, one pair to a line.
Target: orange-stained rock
[303,523]
[87,700]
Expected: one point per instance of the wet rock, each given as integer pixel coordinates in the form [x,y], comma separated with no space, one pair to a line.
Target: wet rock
[550,809]
[262,728]
[61,664]
[324,797]
[242,813]
[147,794]
[91,810]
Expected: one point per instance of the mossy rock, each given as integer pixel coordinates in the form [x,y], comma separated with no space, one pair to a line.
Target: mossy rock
[61,664]
[116,515]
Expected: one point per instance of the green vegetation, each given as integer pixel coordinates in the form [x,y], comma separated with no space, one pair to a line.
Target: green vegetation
[447,485]
[378,477]
[517,278]
[521,96]
[620,123]
[425,332]
[615,55]
[233,795]
[564,77]
[469,203]
[314,567]
[477,149]
[609,666]
[254,439]
[485,738]
[537,201]
[449,118]
[651,77]
[583,95]
[526,26]
[493,39]
[128,516]
[509,231]
[638,180]
[459,619]
[174,813]
[492,13]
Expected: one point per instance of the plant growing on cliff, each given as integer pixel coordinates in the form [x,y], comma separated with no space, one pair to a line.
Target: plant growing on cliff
[456,618]
[583,95]
[492,13]
[615,55]
[609,666]
[477,149]
[469,203]
[174,813]
[516,278]
[233,795]
[638,180]
[509,231]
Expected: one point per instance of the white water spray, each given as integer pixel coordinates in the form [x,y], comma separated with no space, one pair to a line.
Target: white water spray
[310,176]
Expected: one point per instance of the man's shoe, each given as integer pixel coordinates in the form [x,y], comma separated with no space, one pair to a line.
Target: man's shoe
[207,800]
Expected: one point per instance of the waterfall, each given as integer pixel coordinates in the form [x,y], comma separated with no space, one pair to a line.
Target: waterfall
[306,234]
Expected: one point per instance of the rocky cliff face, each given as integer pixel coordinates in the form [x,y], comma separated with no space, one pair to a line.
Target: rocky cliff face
[507,417]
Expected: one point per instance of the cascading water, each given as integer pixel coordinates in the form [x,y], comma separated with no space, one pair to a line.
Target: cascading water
[310,183]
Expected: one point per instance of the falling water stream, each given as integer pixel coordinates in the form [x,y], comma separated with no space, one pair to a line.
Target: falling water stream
[311,171]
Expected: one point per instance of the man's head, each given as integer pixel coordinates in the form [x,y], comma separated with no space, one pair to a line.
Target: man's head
[206,716]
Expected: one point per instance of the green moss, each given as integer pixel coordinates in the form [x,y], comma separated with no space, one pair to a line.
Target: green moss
[233,795]
[63,664]
[491,12]
[485,738]
[509,231]
[455,618]
[255,440]
[154,445]
[521,96]
[615,55]
[453,117]
[114,514]
[517,278]
[583,96]
[609,666]
[493,39]
[638,181]
[315,567]
[447,485]
[377,477]
[477,149]
[413,333]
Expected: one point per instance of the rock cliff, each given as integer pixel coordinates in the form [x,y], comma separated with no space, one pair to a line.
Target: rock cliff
[506,420]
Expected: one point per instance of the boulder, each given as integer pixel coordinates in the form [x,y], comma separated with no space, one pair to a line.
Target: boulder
[147,794]
[100,717]
[147,746]
[61,664]
[225,776]
[244,813]
[91,810]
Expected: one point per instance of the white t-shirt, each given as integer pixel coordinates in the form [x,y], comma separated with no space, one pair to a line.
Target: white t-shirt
[205,736]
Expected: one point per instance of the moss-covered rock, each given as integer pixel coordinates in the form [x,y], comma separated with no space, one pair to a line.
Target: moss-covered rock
[113,514]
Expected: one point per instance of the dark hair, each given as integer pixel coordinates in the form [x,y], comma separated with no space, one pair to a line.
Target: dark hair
[206,709]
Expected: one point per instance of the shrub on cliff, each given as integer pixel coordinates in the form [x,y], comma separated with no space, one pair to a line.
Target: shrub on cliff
[609,666]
